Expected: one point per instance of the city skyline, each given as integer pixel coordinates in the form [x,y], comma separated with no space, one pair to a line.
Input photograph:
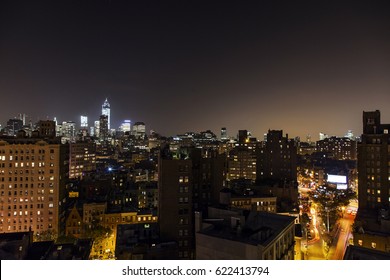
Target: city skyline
[80,124]
[297,67]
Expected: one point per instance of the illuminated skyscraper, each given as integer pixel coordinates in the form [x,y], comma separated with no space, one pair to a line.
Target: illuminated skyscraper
[84,121]
[224,134]
[139,130]
[126,126]
[68,131]
[106,111]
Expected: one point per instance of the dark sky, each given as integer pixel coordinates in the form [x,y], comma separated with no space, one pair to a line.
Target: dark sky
[301,66]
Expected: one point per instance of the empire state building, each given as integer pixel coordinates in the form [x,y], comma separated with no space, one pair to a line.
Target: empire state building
[106,111]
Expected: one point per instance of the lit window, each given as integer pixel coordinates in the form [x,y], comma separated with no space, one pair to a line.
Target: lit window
[373,245]
[360,242]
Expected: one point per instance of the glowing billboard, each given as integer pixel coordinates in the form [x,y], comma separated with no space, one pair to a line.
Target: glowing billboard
[337,179]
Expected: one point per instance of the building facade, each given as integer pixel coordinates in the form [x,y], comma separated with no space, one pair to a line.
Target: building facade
[374,163]
[82,159]
[340,148]
[32,174]
[277,158]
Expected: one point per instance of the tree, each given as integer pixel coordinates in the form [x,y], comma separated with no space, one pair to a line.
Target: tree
[330,201]
[46,235]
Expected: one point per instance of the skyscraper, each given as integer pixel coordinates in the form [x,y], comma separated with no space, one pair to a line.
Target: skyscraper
[125,126]
[83,121]
[224,134]
[103,127]
[107,111]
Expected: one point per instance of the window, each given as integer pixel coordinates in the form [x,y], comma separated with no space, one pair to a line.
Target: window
[360,242]
[373,245]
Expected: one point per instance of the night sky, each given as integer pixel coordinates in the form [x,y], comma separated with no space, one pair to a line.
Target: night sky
[301,66]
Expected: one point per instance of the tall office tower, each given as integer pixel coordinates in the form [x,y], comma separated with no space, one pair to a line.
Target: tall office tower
[83,121]
[126,126]
[103,127]
[277,158]
[106,111]
[68,132]
[22,117]
[224,135]
[92,131]
[97,129]
[32,180]
[13,126]
[139,130]
[373,163]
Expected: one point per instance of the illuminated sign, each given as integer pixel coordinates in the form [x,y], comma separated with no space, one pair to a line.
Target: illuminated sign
[337,179]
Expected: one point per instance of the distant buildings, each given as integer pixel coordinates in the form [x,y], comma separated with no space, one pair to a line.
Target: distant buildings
[242,158]
[224,135]
[139,130]
[82,159]
[83,121]
[13,126]
[67,131]
[103,128]
[277,158]
[125,126]
[340,148]
[106,111]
